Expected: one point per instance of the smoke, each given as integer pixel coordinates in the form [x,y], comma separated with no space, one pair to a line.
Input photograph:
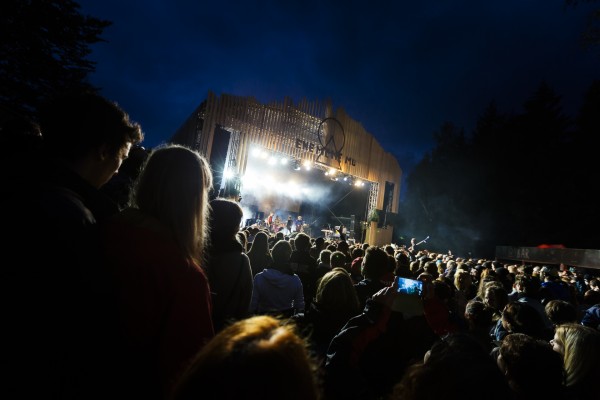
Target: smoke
[270,185]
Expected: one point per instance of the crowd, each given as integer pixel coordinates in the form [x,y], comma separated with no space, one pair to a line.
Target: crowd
[144,287]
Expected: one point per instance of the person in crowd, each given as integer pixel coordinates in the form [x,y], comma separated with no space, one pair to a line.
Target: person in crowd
[439,376]
[402,265]
[344,247]
[374,267]
[277,289]
[334,304]
[519,317]
[591,317]
[57,299]
[495,297]
[304,266]
[442,315]
[552,287]
[155,250]
[580,349]
[478,318]
[533,370]
[464,289]
[371,352]
[259,253]
[243,239]
[338,260]
[118,187]
[324,263]
[526,289]
[317,245]
[255,358]
[561,312]
[227,267]
[487,275]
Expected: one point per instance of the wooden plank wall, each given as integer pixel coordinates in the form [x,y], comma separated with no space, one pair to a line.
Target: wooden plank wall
[277,125]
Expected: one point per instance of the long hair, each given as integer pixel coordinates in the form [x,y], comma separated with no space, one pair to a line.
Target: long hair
[336,292]
[259,253]
[173,188]
[260,244]
[581,353]
[259,358]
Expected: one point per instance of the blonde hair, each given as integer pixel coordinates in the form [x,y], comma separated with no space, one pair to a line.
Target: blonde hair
[462,280]
[173,187]
[581,353]
[258,357]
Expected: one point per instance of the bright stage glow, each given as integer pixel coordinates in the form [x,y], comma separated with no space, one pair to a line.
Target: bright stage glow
[274,182]
[228,174]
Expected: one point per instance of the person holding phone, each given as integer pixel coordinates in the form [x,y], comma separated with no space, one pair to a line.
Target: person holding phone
[374,348]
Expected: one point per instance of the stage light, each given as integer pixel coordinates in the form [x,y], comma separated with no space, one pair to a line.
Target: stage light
[307,165]
[296,165]
[227,174]
[284,161]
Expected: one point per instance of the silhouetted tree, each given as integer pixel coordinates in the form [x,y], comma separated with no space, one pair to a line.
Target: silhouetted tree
[43,48]
[512,183]
[591,34]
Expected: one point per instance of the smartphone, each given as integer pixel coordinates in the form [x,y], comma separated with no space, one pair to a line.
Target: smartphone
[409,286]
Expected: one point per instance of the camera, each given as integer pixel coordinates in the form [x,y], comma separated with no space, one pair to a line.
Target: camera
[409,286]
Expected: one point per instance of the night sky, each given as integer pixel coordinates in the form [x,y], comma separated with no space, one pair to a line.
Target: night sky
[400,68]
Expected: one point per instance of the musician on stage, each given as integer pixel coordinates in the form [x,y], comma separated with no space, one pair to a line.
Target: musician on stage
[342,232]
[299,224]
[270,222]
[289,224]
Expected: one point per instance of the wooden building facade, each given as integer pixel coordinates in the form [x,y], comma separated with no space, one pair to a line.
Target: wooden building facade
[308,132]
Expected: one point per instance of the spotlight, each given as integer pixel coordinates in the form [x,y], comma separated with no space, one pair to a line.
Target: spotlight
[296,165]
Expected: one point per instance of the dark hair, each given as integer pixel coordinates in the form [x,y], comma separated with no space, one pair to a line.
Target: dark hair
[527,362]
[74,124]
[523,318]
[375,263]
[302,241]
[479,314]
[281,252]
[337,259]
[225,217]
[439,377]
[560,312]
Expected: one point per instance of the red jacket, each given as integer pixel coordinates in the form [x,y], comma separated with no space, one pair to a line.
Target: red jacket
[164,302]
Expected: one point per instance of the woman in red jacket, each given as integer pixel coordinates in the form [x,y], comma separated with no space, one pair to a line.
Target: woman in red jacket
[154,249]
